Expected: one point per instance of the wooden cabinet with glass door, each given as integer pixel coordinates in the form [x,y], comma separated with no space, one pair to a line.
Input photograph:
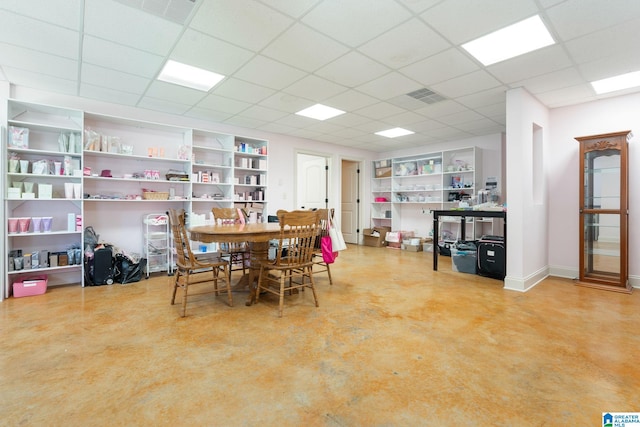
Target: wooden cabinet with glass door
[604,211]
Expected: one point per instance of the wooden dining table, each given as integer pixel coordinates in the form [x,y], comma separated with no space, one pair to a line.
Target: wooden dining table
[257,235]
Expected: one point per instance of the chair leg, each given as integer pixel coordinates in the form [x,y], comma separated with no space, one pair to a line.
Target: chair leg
[312,286]
[257,295]
[281,294]
[329,273]
[184,295]
[176,280]
[227,278]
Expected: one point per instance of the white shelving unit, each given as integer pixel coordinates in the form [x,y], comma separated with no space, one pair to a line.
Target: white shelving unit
[121,169]
[42,194]
[157,249]
[416,185]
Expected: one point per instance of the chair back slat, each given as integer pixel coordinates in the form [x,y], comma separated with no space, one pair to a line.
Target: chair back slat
[298,232]
[180,238]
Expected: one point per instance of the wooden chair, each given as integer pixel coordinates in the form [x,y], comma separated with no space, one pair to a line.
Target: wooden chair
[189,270]
[323,230]
[236,253]
[287,272]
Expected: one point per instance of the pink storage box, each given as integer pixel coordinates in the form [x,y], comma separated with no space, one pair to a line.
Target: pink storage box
[380,199]
[36,285]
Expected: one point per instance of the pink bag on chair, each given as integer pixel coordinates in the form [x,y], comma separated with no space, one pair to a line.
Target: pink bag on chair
[328,255]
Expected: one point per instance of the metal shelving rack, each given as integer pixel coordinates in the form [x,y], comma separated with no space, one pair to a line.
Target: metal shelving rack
[157,246]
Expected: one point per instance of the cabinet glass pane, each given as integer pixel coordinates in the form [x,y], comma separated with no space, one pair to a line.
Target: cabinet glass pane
[602,179]
[602,245]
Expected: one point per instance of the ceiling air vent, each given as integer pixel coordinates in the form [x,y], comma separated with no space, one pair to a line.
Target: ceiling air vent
[426,95]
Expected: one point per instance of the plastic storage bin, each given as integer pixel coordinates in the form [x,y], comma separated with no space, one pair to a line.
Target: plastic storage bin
[463,261]
[28,286]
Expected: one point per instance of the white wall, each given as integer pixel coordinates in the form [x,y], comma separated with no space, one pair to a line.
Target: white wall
[604,116]
[527,237]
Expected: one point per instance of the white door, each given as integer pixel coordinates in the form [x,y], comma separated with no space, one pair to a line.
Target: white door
[350,204]
[312,182]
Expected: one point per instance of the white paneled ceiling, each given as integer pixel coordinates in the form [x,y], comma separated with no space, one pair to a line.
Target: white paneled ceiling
[280,56]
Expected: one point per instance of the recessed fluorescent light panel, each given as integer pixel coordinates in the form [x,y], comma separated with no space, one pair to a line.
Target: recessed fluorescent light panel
[514,40]
[394,133]
[189,76]
[623,81]
[320,112]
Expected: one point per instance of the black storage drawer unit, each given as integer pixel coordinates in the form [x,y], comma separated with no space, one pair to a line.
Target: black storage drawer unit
[492,257]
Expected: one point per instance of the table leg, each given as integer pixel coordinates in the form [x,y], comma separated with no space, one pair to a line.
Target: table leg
[259,252]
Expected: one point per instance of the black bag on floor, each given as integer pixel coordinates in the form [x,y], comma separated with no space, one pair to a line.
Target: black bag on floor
[99,269]
[128,271]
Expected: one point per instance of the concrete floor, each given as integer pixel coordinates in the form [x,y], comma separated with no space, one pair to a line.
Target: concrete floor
[392,344]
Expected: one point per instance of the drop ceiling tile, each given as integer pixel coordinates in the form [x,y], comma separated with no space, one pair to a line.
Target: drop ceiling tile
[352,70]
[324,127]
[277,128]
[304,48]
[609,66]
[389,86]
[296,121]
[249,24]
[440,67]
[207,114]
[486,97]
[294,9]
[461,117]
[348,133]
[379,111]
[40,36]
[221,57]
[622,39]
[404,119]
[246,122]
[41,81]
[440,109]
[552,81]
[222,104]
[169,91]
[462,20]
[64,13]
[315,88]
[418,6]
[407,43]
[242,91]
[464,85]
[268,72]
[335,18]
[130,27]
[350,120]
[575,18]
[426,126]
[304,133]
[286,102]
[449,134]
[122,58]
[566,96]
[482,126]
[163,105]
[105,94]
[107,78]
[533,64]
[498,110]
[263,113]
[372,127]
[27,59]
[350,100]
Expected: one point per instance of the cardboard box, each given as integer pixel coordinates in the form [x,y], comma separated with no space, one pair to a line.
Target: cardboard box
[29,286]
[375,241]
[412,248]
[383,172]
